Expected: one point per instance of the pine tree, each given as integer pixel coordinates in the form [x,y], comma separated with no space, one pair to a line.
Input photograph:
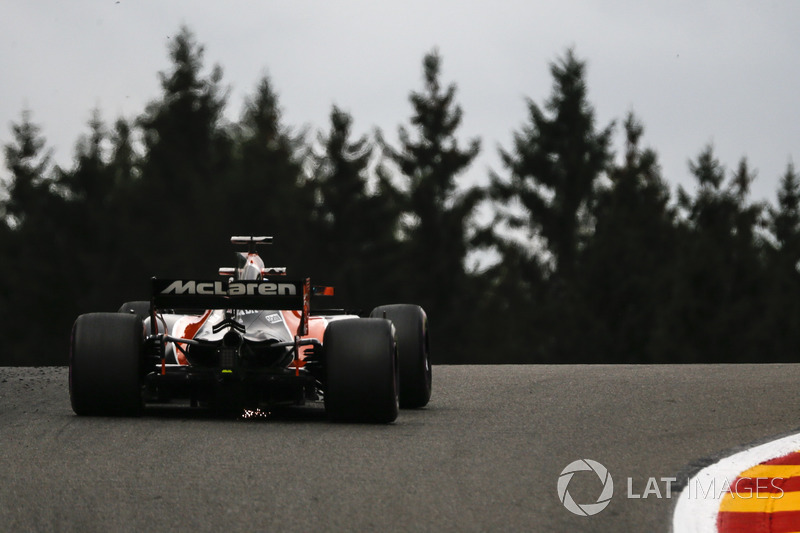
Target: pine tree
[437,208]
[783,312]
[94,224]
[555,163]
[125,161]
[717,304]
[25,227]
[7,314]
[624,267]
[354,220]
[785,220]
[271,193]
[29,164]
[554,166]
[88,183]
[6,271]
[182,132]
[187,160]
[32,230]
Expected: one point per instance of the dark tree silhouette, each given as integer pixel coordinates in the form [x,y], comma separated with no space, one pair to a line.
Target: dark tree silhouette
[556,160]
[187,160]
[36,255]
[783,264]
[355,218]
[595,261]
[623,266]
[269,190]
[437,208]
[717,291]
[29,164]
[554,165]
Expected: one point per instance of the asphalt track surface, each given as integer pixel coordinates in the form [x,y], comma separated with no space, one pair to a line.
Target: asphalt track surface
[484,456]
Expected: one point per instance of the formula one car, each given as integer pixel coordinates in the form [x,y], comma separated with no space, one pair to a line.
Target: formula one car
[249,340]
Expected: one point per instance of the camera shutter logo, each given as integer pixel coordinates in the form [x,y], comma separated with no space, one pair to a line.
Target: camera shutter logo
[586,509]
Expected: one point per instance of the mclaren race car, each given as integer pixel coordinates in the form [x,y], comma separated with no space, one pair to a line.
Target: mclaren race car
[249,340]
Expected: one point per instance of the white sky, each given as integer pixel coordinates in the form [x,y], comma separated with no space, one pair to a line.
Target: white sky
[695,72]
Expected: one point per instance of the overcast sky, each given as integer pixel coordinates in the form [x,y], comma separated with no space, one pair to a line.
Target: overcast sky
[725,72]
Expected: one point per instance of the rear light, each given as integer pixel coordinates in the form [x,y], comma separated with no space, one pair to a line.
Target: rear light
[227,357]
[229,351]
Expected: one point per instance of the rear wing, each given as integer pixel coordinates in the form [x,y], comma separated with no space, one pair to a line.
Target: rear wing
[250,241]
[221,294]
[284,295]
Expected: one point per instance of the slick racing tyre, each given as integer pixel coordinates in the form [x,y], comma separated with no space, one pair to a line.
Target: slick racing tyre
[361,363]
[105,363]
[411,325]
[140,309]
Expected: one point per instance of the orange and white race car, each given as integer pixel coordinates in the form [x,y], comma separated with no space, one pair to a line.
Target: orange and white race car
[249,340]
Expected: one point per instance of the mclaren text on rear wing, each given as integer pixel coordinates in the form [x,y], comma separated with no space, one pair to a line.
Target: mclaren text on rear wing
[221,294]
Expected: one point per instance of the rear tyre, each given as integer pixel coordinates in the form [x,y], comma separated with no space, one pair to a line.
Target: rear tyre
[105,365]
[361,378]
[411,324]
[139,309]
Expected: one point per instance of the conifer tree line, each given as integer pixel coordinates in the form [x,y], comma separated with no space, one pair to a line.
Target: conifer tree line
[598,261]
